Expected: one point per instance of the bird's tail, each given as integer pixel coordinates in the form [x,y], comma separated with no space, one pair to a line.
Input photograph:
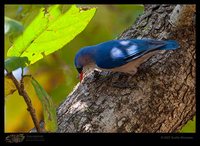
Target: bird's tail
[170,45]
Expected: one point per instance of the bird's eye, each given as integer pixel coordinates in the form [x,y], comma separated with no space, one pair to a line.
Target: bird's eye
[79,69]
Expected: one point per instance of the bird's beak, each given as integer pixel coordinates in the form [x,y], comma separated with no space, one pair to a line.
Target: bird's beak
[81,76]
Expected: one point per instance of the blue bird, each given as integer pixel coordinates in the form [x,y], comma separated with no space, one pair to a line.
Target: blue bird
[120,55]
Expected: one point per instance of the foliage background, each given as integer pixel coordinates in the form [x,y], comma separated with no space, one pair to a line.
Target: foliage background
[56,72]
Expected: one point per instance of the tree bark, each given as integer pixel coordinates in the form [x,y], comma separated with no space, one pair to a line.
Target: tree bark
[160,97]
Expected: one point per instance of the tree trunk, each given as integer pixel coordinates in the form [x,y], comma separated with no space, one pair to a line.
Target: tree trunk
[160,97]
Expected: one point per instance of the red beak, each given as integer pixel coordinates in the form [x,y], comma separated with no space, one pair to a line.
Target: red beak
[81,76]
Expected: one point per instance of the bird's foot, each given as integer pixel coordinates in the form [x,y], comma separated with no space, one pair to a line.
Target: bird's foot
[98,74]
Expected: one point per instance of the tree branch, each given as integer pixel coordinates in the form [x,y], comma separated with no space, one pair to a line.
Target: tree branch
[23,93]
[159,98]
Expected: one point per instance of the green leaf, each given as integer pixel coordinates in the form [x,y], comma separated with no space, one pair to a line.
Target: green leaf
[50,31]
[49,109]
[12,27]
[190,127]
[14,63]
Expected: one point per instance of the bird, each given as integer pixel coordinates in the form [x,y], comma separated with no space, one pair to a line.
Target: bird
[120,55]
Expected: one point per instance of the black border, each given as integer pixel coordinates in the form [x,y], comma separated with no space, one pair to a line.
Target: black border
[102,138]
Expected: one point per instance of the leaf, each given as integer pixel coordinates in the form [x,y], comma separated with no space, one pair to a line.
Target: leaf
[190,127]
[9,86]
[14,63]
[12,27]
[49,110]
[50,31]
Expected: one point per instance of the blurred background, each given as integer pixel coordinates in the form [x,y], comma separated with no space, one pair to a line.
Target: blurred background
[56,72]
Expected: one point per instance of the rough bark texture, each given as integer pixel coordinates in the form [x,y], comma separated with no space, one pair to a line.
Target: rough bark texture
[160,97]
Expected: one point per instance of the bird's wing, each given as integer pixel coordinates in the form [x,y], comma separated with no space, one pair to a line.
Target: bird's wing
[119,52]
[138,48]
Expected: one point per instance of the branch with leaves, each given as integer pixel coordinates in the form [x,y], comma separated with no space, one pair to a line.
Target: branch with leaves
[49,31]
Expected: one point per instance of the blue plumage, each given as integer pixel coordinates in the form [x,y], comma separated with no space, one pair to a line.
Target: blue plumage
[116,53]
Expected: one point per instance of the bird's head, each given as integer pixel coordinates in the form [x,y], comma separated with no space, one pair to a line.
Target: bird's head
[79,65]
[82,58]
